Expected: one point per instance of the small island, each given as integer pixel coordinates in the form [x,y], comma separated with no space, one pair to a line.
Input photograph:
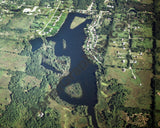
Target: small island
[77,21]
[74,90]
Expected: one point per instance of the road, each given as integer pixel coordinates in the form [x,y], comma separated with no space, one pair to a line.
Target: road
[50,18]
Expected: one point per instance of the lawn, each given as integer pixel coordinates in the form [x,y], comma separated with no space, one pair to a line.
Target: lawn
[157,101]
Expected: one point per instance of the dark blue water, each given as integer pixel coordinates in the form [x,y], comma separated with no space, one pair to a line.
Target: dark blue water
[81,70]
[36,44]
[50,67]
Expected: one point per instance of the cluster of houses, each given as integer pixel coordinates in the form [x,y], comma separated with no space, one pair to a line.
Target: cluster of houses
[50,30]
[92,40]
[28,10]
[58,18]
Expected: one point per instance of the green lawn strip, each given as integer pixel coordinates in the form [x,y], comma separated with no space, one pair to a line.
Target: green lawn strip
[157,102]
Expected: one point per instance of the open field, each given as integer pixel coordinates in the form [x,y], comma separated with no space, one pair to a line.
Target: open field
[5,98]
[146,43]
[157,100]
[142,30]
[122,77]
[4,92]
[140,96]
[76,22]
[116,56]
[4,79]
[22,22]
[67,119]
[145,1]
[158,43]
[10,46]
[144,61]
[13,62]
[139,88]
[30,82]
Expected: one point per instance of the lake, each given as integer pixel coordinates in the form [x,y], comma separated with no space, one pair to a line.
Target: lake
[82,70]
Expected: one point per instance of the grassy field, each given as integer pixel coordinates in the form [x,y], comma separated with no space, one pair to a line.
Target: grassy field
[116,56]
[10,46]
[122,77]
[157,100]
[30,82]
[67,119]
[12,61]
[143,30]
[145,1]
[144,61]
[140,96]
[146,43]
[4,92]
[76,22]
[158,43]
[21,22]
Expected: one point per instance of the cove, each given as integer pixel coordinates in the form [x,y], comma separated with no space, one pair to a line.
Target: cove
[36,44]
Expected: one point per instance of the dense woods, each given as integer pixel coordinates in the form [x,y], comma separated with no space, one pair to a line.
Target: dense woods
[81,4]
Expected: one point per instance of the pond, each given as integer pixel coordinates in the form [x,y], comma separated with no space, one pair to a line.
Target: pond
[36,44]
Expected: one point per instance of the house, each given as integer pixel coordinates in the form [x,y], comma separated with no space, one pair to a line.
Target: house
[27,10]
